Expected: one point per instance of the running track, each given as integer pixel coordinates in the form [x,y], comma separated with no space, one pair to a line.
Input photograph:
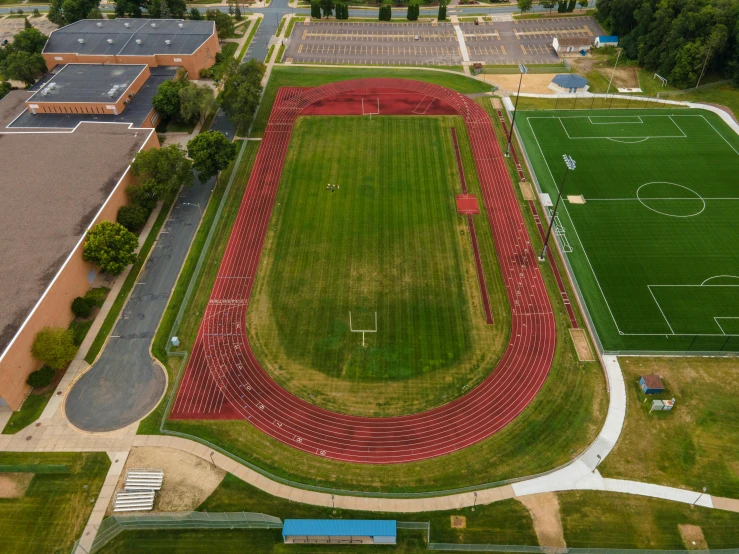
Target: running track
[224,380]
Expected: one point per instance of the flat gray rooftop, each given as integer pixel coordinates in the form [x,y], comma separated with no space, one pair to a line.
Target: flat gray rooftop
[135,113]
[89,83]
[48,201]
[129,37]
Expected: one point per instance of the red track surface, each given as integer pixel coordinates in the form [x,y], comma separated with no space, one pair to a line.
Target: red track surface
[224,379]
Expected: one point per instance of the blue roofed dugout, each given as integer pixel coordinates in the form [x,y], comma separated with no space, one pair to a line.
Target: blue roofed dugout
[568,82]
[339,531]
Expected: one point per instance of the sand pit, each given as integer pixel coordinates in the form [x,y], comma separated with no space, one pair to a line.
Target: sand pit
[534,83]
[544,510]
[692,536]
[580,339]
[188,480]
[14,485]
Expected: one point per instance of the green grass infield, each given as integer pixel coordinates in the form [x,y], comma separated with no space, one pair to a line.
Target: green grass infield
[653,246]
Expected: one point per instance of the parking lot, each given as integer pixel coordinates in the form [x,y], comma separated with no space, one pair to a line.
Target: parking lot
[404,43]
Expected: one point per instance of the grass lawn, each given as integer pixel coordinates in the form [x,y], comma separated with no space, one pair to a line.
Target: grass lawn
[506,522]
[284,76]
[697,444]
[725,95]
[596,519]
[30,411]
[563,419]
[652,247]
[54,510]
[389,242]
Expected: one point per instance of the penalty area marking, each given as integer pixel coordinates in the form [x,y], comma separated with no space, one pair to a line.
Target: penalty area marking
[363,331]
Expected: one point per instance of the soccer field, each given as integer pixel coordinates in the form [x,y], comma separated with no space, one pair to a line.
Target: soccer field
[655,247]
[386,246]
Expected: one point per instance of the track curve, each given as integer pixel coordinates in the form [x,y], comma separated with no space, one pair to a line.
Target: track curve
[223,378]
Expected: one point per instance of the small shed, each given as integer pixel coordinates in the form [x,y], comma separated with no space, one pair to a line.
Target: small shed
[339,531]
[611,40]
[651,384]
[565,45]
[569,82]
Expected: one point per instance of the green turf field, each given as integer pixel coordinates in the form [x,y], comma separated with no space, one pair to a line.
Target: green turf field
[388,247]
[654,247]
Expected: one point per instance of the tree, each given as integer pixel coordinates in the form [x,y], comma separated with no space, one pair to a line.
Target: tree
[81,307]
[54,346]
[132,217]
[327,7]
[5,88]
[167,98]
[162,171]
[224,23]
[132,8]
[42,377]
[210,152]
[196,102]
[442,11]
[315,10]
[386,13]
[29,40]
[561,6]
[342,11]
[64,12]
[525,5]
[167,9]
[23,66]
[143,195]
[111,247]
[548,4]
[583,3]
[413,11]
[571,6]
[195,14]
[95,13]
[241,92]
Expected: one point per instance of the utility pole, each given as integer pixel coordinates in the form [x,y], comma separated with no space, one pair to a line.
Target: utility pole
[570,166]
[614,70]
[705,63]
[523,69]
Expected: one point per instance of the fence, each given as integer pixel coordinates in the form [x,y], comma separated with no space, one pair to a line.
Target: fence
[112,526]
[554,550]
[41,469]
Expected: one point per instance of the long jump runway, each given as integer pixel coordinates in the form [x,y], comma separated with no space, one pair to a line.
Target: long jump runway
[223,379]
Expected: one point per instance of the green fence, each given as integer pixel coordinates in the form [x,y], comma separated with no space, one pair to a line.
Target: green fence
[34,468]
[116,524]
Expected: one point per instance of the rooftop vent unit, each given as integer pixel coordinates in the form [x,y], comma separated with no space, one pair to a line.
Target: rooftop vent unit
[110,41]
[81,40]
[167,42]
[48,89]
[99,24]
[153,24]
[112,92]
[126,25]
[138,41]
[180,25]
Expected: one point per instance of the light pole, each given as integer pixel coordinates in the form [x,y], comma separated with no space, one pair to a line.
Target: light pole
[598,462]
[212,460]
[523,69]
[474,503]
[570,164]
[699,496]
[196,205]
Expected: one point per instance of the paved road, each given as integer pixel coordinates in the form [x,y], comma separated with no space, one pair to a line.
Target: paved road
[125,383]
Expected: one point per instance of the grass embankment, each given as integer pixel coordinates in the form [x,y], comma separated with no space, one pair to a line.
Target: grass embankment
[291,25]
[432,343]
[695,445]
[51,514]
[115,309]
[564,418]
[506,522]
[286,76]
[597,519]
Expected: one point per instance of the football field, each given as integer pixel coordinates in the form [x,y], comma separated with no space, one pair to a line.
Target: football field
[648,222]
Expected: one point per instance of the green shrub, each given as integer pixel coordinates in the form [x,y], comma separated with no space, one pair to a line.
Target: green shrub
[54,346]
[41,378]
[132,217]
[81,307]
[97,296]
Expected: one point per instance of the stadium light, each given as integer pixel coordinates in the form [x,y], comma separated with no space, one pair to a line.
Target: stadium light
[570,165]
[523,69]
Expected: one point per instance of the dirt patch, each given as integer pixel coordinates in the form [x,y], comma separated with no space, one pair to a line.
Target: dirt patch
[459,522]
[188,480]
[576,199]
[14,485]
[534,83]
[582,346]
[623,77]
[526,191]
[496,103]
[10,27]
[692,536]
[544,510]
